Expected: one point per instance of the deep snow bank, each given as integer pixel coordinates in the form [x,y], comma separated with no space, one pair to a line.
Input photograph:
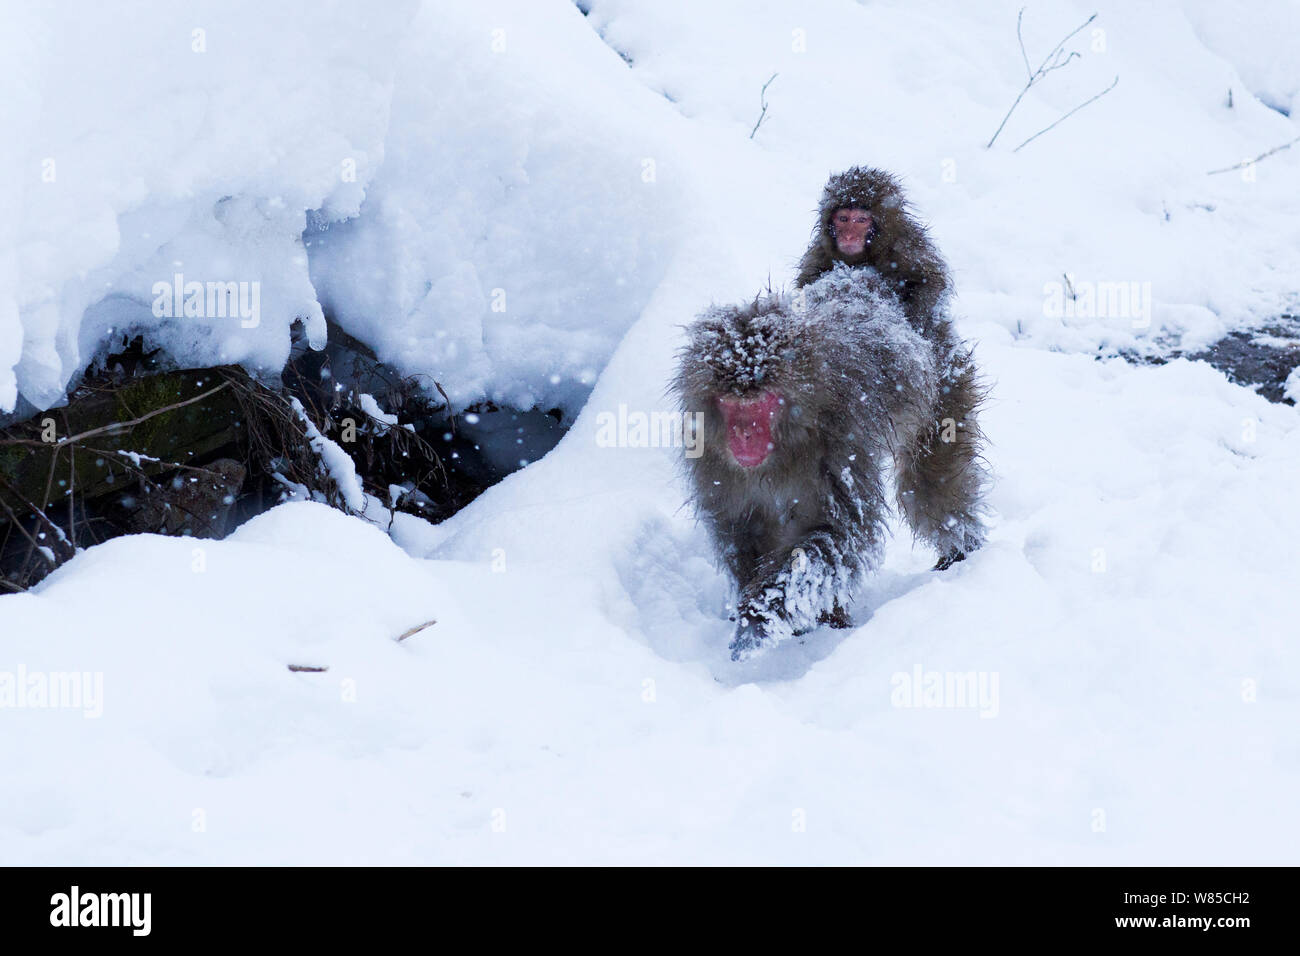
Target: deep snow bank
[526,209]
[524,214]
[161,140]
[1132,619]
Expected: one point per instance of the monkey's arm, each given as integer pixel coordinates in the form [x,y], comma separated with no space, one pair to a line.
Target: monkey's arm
[792,589]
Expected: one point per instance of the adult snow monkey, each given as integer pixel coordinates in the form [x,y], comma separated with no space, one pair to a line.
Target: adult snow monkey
[864,221]
[804,401]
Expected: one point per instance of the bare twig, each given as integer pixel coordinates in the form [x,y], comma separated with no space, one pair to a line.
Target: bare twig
[1029,74]
[114,426]
[72,487]
[1067,115]
[1250,162]
[37,512]
[442,392]
[762,99]
[415,630]
[130,464]
[307,669]
[13,519]
[1057,50]
[45,503]
[72,496]
[1058,62]
[1050,62]
[147,483]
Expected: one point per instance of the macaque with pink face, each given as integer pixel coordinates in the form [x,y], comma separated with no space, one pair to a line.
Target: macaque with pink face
[806,408]
[863,219]
[852,230]
[805,405]
[749,423]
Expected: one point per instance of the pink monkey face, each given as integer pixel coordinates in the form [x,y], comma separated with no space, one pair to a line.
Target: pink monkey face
[852,227]
[749,423]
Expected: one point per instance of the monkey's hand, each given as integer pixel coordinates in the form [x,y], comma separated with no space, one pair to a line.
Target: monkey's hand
[837,617]
[952,555]
[792,593]
[760,623]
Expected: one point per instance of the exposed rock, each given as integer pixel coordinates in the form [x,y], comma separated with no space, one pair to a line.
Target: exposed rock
[1262,358]
[140,448]
[197,502]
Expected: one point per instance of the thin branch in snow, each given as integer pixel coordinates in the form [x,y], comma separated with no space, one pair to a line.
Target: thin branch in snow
[72,489]
[1068,115]
[1051,62]
[114,426]
[37,512]
[1250,162]
[1029,74]
[13,519]
[415,630]
[762,99]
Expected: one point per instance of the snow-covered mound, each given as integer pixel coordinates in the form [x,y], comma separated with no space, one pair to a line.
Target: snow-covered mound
[1112,679]
[163,140]
[1260,47]
[1126,638]
[525,211]
[523,216]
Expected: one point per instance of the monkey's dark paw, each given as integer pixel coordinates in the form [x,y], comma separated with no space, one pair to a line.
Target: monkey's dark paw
[751,635]
[757,630]
[746,642]
[954,554]
[948,560]
[837,618]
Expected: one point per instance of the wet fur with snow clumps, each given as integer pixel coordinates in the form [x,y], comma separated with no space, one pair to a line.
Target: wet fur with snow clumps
[942,473]
[898,246]
[859,387]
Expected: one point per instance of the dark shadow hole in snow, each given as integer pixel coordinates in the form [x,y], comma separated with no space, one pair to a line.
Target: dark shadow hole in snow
[203,450]
[478,446]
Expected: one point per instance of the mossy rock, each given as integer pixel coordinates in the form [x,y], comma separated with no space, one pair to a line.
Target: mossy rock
[93,466]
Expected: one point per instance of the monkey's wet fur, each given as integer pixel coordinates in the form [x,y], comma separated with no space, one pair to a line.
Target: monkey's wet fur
[809,401]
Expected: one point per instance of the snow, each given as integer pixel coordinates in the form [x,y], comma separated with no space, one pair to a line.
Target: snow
[523,214]
[1131,620]
[334,462]
[488,195]
[161,140]
[381,419]
[1259,48]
